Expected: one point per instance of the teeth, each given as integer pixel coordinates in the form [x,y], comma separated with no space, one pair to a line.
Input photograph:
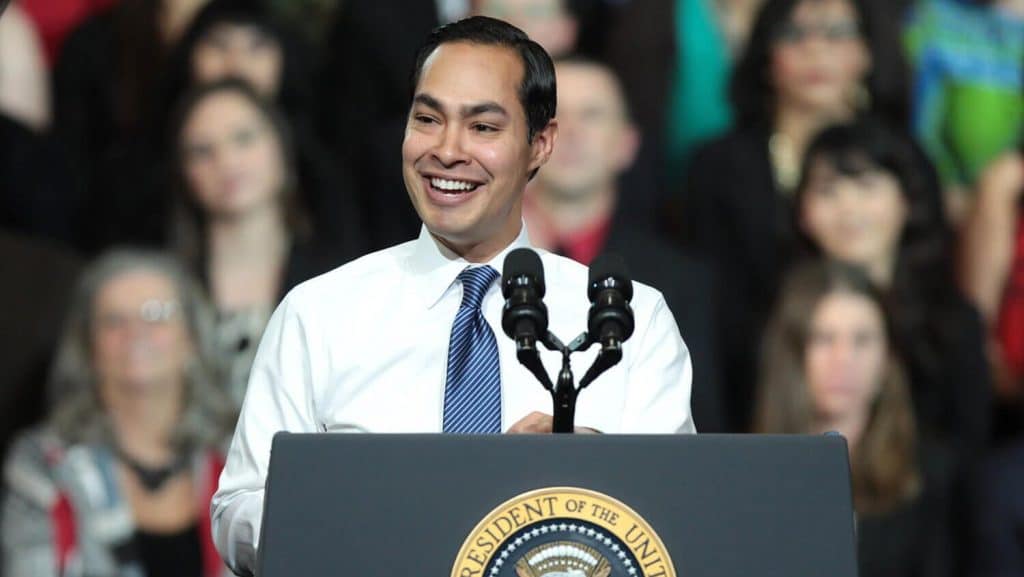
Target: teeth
[453,185]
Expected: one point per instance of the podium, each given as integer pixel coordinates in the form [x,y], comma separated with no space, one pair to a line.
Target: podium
[557,505]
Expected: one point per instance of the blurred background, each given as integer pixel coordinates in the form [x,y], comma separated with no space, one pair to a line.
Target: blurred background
[829,193]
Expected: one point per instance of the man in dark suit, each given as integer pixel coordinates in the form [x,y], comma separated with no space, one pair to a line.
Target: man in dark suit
[573,207]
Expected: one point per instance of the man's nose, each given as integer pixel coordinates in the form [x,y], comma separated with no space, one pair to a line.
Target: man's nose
[450,149]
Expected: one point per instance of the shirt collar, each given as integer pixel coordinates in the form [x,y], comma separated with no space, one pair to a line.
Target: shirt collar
[435,267]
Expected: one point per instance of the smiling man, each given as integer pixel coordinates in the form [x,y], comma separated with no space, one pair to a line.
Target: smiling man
[408,339]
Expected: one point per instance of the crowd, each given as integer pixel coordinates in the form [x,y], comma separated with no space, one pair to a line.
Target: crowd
[828,193]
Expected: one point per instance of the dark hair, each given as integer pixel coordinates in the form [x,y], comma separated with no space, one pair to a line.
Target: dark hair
[884,468]
[140,59]
[751,91]
[923,285]
[188,225]
[537,88]
[580,59]
[295,92]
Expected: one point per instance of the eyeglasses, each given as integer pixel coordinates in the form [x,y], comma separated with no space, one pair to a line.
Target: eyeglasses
[838,31]
[153,312]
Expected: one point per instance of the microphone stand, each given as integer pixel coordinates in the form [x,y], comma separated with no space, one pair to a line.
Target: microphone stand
[564,392]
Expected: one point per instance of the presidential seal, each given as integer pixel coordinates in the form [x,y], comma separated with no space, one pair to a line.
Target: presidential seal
[563,532]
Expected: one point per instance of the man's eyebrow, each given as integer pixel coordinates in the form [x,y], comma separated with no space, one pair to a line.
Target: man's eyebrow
[483,108]
[428,101]
[466,111]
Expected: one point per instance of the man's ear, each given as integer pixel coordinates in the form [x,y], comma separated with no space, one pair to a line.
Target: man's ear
[542,145]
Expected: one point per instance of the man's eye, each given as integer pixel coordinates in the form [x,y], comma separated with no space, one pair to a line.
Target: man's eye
[424,119]
[484,128]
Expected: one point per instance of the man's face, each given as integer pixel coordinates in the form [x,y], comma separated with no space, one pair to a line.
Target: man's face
[596,140]
[466,158]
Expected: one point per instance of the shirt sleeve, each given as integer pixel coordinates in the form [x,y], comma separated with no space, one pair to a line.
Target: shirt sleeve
[660,378]
[279,397]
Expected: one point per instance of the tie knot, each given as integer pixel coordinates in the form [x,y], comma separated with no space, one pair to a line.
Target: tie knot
[475,282]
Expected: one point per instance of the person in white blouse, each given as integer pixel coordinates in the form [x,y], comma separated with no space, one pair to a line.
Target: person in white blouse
[372,345]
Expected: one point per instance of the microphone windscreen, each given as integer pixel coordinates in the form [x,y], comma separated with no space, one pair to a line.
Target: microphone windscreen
[523,262]
[609,266]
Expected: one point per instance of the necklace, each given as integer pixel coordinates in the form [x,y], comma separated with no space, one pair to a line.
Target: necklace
[152,478]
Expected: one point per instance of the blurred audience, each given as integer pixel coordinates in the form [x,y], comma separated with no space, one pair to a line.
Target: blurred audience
[968,94]
[107,95]
[572,208]
[310,17]
[808,63]
[55,20]
[38,277]
[240,39]
[997,515]
[240,224]
[24,78]
[830,364]
[709,36]
[36,187]
[992,273]
[137,405]
[862,200]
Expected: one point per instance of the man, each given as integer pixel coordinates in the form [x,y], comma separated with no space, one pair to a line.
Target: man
[573,207]
[366,88]
[404,340]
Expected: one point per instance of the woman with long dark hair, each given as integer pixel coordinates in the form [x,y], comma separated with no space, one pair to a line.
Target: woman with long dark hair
[862,200]
[808,63]
[239,220]
[830,364]
[242,39]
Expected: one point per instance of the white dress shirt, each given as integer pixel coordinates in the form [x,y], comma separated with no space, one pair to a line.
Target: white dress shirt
[364,348]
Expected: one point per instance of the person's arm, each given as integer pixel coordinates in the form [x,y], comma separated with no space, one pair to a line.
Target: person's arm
[988,235]
[660,378]
[279,397]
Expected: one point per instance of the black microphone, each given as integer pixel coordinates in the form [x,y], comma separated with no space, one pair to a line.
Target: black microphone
[524,318]
[610,290]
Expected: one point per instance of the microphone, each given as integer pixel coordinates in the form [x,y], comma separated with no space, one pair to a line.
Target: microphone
[524,317]
[610,290]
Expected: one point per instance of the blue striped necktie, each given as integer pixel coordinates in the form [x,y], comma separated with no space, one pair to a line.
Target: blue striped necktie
[472,390]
